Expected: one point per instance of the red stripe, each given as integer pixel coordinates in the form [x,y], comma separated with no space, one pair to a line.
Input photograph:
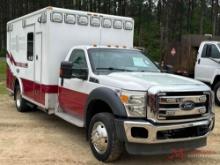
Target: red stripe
[18,64]
[10,79]
[31,89]
[37,91]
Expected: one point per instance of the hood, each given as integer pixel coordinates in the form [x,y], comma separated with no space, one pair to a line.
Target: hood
[143,81]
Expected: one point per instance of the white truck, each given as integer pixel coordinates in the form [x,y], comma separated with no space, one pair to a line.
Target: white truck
[82,67]
[207,68]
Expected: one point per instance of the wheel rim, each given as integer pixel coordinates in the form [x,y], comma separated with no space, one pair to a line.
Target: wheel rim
[99,137]
[18,98]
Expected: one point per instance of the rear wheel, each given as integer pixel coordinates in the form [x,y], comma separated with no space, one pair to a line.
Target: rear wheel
[217,93]
[103,140]
[20,103]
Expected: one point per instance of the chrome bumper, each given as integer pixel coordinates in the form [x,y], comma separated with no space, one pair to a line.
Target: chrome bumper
[153,131]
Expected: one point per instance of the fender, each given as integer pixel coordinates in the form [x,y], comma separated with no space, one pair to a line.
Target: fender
[20,84]
[108,96]
[215,74]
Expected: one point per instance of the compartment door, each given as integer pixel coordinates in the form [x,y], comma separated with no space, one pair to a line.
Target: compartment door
[39,93]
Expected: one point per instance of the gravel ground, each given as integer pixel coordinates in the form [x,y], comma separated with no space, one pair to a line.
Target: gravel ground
[37,138]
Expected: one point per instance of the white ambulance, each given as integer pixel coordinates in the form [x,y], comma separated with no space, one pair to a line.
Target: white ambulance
[82,67]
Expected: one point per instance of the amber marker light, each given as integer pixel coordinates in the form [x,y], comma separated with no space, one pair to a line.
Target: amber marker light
[124,98]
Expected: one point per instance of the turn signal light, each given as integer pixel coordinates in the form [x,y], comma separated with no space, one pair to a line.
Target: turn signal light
[124,99]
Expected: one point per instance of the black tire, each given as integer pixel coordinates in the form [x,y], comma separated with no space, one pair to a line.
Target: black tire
[20,103]
[114,147]
[216,88]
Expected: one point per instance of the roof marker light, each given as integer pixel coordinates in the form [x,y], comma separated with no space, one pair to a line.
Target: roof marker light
[42,18]
[24,23]
[10,27]
[50,7]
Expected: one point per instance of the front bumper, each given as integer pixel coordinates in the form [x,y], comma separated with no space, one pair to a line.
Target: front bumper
[147,133]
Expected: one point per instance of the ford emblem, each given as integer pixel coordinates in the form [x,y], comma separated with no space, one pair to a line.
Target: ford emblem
[187,105]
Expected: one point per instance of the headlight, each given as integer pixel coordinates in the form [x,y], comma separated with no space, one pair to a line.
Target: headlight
[134,102]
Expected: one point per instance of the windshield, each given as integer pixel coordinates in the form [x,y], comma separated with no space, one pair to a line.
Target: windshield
[105,61]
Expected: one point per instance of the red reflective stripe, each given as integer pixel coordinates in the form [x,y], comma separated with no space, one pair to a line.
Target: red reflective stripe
[49,88]
[12,60]
[37,91]
[10,79]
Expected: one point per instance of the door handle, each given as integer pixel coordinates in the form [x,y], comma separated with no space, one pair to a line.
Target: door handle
[199,61]
[36,57]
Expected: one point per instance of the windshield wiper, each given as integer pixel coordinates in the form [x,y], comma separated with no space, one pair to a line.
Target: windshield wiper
[115,69]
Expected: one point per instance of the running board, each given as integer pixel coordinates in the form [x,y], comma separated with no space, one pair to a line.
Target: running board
[70,119]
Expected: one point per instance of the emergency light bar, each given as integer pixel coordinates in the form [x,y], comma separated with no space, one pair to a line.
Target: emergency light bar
[107,23]
[95,21]
[82,20]
[57,17]
[128,25]
[117,24]
[70,19]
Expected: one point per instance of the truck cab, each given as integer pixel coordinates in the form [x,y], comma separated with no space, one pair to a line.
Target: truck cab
[123,100]
[207,68]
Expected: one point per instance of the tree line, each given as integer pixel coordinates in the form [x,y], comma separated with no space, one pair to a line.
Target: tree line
[157,22]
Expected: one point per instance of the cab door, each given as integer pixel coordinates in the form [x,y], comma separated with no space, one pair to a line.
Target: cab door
[208,62]
[73,92]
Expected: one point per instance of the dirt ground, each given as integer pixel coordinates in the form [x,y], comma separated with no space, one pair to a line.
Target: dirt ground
[37,138]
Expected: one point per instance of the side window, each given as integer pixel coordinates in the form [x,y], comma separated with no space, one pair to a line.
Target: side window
[30,46]
[78,59]
[204,51]
[215,52]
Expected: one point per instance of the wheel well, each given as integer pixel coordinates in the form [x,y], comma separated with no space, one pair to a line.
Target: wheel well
[15,84]
[94,107]
[217,79]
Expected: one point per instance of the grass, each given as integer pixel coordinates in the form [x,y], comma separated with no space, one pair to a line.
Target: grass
[2,76]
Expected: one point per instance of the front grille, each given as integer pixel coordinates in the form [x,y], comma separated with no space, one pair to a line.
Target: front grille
[183,132]
[182,105]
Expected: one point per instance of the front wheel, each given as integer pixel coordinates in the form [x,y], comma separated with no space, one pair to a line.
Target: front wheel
[103,140]
[217,93]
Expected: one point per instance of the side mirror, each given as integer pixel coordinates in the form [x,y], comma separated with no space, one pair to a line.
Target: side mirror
[81,73]
[66,70]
